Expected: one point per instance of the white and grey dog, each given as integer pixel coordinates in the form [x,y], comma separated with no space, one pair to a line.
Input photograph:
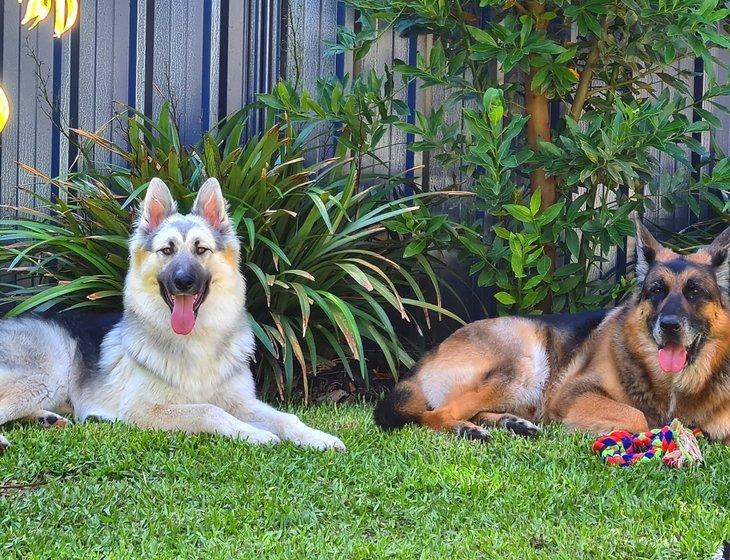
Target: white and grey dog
[177,360]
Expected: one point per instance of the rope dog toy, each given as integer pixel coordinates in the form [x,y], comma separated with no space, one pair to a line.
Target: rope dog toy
[676,446]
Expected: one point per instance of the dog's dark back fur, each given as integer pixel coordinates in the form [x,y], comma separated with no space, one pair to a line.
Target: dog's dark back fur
[88,328]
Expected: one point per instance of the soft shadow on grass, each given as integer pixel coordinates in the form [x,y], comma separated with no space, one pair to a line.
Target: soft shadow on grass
[110,491]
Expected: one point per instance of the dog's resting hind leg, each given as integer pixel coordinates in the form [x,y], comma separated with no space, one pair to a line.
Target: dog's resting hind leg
[21,399]
[47,419]
[25,394]
[456,413]
[36,363]
[455,417]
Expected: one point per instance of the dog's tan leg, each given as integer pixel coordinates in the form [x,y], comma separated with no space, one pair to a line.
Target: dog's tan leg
[510,422]
[718,426]
[455,414]
[595,413]
[46,419]
[19,400]
[196,419]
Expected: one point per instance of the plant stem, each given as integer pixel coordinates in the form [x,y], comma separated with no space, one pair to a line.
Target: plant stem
[581,95]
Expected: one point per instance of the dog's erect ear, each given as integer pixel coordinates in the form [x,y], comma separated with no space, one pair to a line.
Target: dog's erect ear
[211,205]
[719,251]
[646,249]
[158,205]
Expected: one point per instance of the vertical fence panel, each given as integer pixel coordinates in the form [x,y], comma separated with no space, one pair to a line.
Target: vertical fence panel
[310,23]
[27,70]
[670,170]
[722,76]
[178,54]
[391,150]
[211,57]
[252,55]
[102,69]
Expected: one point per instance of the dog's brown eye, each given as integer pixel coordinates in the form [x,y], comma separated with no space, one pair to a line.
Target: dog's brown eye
[657,289]
[200,250]
[167,251]
[693,291]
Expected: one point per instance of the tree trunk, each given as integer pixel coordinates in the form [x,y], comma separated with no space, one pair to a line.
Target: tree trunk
[537,107]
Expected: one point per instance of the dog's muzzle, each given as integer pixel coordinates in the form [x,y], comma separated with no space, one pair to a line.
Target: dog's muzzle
[676,342]
[184,290]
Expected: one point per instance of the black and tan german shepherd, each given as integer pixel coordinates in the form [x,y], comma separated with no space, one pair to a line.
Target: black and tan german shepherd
[664,353]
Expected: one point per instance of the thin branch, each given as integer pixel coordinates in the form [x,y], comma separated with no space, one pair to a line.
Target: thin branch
[628,82]
[582,94]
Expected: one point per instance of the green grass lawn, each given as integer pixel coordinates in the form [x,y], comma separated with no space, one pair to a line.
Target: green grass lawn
[110,491]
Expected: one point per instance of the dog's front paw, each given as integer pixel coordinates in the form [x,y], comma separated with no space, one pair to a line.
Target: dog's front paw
[318,440]
[4,445]
[258,437]
[520,426]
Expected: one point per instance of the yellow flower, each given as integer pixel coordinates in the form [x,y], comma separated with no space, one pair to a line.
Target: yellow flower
[4,109]
[35,12]
[65,14]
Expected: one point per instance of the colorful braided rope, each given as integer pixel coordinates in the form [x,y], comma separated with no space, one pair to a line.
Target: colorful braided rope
[674,444]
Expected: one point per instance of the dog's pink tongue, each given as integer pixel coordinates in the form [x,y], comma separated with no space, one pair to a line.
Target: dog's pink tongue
[672,358]
[183,316]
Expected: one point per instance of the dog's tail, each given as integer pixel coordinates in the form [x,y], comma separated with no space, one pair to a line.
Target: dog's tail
[403,405]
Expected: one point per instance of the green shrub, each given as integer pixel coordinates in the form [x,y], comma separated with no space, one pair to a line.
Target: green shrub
[325,277]
[557,195]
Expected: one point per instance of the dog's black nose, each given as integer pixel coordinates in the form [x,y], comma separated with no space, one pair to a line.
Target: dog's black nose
[669,323]
[183,280]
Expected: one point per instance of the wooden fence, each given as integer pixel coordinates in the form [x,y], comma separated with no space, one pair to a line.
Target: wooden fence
[211,57]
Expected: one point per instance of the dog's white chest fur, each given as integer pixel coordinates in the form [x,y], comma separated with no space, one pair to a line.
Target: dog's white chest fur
[164,367]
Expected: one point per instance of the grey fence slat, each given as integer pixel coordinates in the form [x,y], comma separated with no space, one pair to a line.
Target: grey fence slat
[141,55]
[178,63]
[87,62]
[380,54]
[310,23]
[103,69]
[722,136]
[162,86]
[28,113]
[35,143]
[400,48]
[670,169]
[64,100]
[27,137]
[313,21]
[190,78]
[215,56]
[11,83]
[253,54]
[236,81]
